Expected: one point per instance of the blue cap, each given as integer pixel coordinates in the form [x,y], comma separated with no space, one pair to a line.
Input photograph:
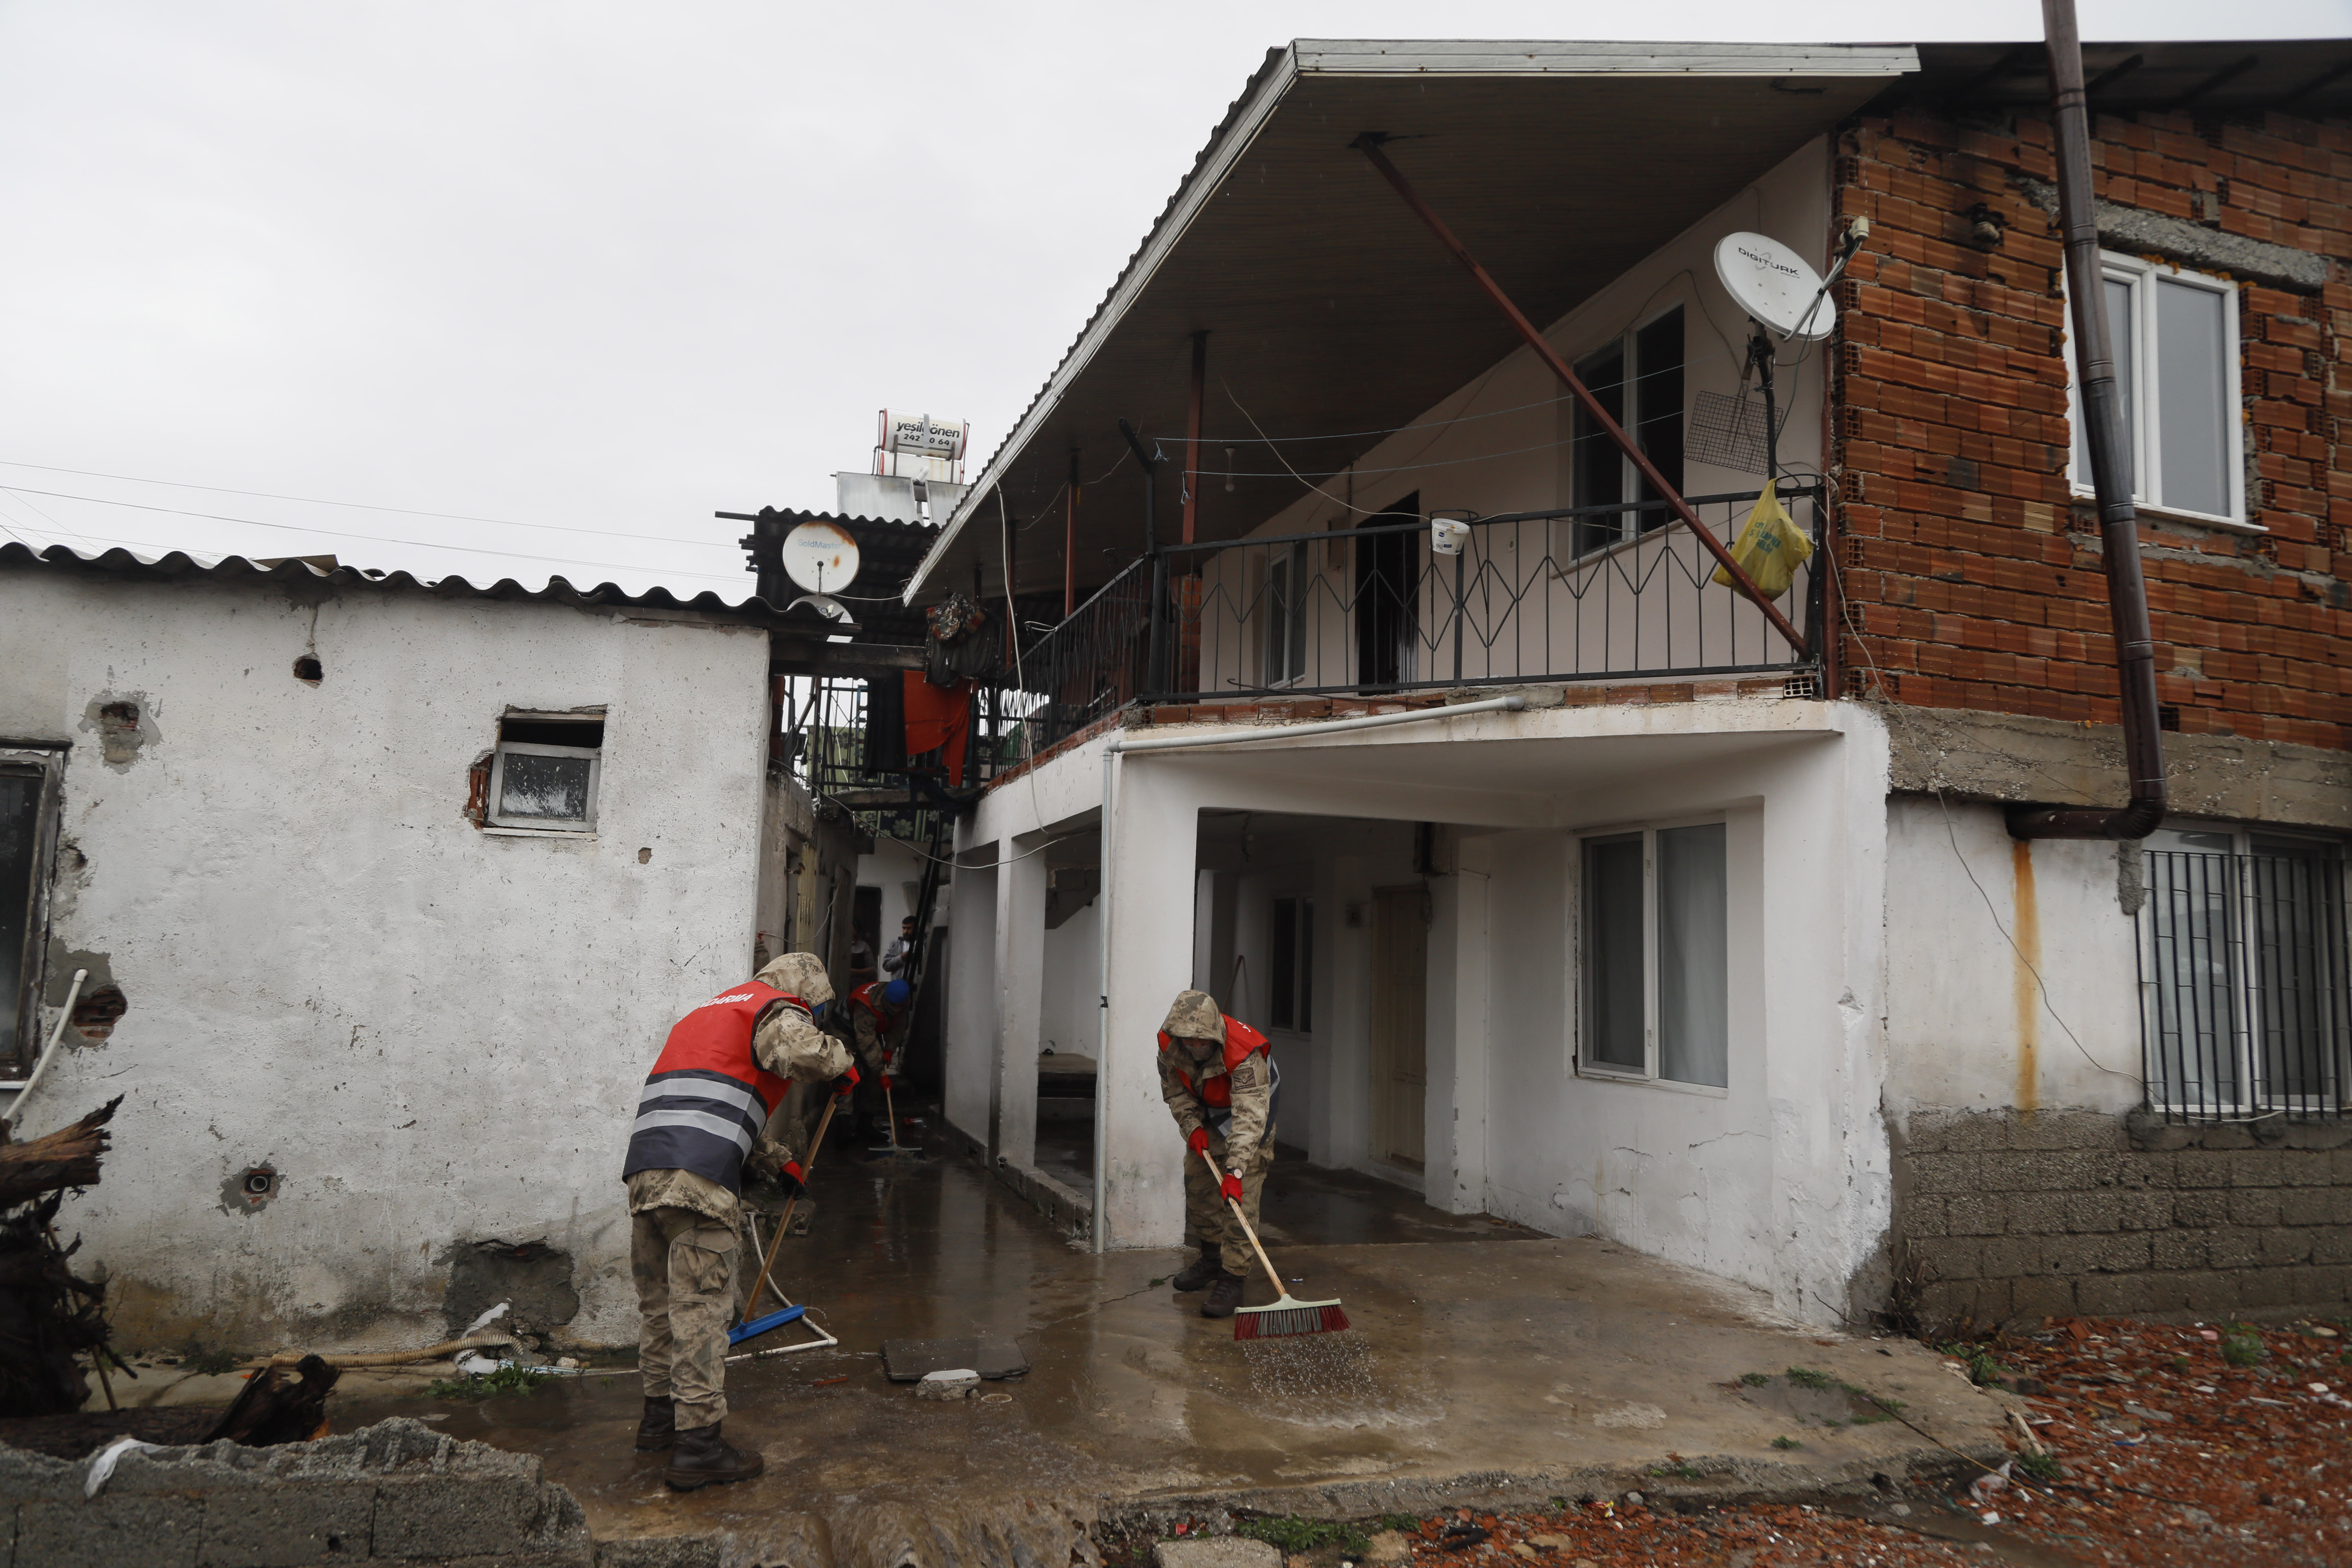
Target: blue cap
[897,991]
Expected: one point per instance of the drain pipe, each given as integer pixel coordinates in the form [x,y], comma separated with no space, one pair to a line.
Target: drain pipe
[1119,746]
[2111,472]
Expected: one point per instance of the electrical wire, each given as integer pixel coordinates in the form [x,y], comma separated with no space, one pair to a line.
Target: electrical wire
[378,539]
[348,505]
[1895,704]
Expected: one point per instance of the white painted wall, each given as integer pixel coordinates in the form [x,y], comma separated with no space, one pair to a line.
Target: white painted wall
[1969,1026]
[436,1035]
[1779,1181]
[1068,1018]
[896,870]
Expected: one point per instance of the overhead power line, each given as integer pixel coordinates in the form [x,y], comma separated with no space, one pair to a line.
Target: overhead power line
[382,539]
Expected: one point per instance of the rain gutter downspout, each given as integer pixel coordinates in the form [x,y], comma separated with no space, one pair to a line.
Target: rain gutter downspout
[1120,744]
[2111,475]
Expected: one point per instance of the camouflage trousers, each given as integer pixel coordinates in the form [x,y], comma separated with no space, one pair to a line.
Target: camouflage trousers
[873,1051]
[684,1264]
[1209,1219]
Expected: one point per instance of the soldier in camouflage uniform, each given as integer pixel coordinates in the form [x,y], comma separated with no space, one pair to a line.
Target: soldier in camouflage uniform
[700,1119]
[1218,1077]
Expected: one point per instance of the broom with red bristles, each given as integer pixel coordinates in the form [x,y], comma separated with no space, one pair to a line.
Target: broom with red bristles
[1285,1317]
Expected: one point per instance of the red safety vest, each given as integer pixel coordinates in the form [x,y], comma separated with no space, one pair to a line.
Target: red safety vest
[1217,1093]
[869,996]
[707,1097]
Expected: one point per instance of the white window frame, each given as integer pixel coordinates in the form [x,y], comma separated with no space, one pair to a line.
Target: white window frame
[1629,524]
[2144,278]
[1582,1013]
[1288,565]
[577,828]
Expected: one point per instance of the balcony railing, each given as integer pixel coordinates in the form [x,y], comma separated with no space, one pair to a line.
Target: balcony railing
[1579,594]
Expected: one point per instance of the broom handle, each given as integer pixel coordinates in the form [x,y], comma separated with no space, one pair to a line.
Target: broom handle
[785,1220]
[1218,1176]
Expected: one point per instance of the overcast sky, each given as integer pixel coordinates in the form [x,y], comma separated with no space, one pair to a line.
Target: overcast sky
[579,271]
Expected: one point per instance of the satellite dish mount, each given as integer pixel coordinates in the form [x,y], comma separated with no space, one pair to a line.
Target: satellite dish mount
[1784,299]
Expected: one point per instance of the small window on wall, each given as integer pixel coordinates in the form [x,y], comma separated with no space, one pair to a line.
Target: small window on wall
[2174,336]
[545,773]
[1293,964]
[1656,941]
[29,826]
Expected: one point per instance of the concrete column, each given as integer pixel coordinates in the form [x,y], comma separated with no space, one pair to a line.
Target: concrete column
[1149,851]
[1455,1135]
[971,1021]
[1020,962]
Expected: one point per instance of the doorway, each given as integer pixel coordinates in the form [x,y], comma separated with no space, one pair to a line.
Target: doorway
[1388,585]
[1400,1021]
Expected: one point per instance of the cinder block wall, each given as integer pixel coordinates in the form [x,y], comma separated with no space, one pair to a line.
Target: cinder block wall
[1973,575]
[2006,1214]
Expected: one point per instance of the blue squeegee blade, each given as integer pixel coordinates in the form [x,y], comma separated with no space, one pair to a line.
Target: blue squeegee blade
[758,1326]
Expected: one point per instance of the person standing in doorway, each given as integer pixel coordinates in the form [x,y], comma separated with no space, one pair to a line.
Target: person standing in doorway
[861,958]
[898,958]
[720,1076]
[1218,1077]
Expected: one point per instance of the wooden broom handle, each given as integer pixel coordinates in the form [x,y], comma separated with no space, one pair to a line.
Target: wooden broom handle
[1219,1178]
[785,1220]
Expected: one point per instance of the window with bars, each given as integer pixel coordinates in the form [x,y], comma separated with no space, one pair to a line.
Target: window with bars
[2243,976]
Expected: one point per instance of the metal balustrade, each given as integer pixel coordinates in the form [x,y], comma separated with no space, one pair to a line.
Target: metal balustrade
[1577,594]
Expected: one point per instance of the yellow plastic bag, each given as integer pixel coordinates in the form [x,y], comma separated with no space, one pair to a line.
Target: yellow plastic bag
[1770,547]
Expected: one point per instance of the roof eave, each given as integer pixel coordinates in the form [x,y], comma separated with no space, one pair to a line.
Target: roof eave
[1327,57]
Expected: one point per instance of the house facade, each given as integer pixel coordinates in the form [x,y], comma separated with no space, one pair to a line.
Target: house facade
[382,896]
[1713,939]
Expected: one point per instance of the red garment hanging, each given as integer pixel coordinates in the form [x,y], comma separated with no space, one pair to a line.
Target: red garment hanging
[937,716]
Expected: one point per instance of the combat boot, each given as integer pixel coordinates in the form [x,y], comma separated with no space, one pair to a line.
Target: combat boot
[657,1428]
[1224,1294]
[1196,1274]
[705,1458]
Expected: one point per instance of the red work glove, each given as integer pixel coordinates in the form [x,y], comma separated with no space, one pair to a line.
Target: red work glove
[1232,1185]
[887,1084]
[1199,1141]
[845,1083]
[790,1171]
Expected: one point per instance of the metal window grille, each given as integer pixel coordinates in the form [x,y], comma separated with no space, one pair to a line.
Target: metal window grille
[2242,986]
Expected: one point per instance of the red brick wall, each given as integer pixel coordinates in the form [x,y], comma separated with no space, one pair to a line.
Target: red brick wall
[1972,578]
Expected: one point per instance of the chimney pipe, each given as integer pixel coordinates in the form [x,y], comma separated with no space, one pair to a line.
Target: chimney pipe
[2111,475]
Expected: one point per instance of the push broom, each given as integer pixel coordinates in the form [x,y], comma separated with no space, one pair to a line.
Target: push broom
[751,1327]
[1285,1317]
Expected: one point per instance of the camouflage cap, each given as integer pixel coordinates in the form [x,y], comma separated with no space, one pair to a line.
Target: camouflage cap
[1194,1017]
[798,974]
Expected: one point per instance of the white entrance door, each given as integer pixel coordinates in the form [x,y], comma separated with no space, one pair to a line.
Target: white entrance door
[1400,1017]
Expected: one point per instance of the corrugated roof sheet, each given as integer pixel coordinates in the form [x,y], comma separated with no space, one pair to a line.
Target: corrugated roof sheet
[178,567]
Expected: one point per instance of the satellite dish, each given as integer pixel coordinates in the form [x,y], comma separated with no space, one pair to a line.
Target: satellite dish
[825,605]
[1774,285]
[821,557]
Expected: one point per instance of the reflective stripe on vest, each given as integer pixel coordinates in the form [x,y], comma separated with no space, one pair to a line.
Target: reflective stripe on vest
[706,1101]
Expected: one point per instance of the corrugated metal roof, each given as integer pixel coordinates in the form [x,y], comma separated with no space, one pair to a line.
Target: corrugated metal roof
[178,567]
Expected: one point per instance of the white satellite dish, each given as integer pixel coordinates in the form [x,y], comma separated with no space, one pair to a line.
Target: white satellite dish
[821,557]
[825,605]
[1774,285]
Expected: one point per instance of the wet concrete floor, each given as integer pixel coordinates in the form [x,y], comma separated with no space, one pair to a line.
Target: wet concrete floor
[1521,1361]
